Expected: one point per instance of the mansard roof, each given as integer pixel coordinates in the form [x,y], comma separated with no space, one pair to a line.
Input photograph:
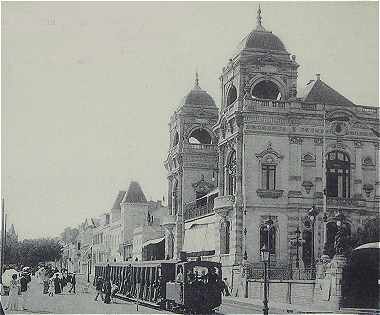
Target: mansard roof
[134,194]
[119,199]
[317,91]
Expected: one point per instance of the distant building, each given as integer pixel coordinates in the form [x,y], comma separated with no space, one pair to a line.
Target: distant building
[12,235]
[134,212]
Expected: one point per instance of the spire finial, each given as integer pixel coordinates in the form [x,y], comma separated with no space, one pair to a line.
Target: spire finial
[259,26]
[196,79]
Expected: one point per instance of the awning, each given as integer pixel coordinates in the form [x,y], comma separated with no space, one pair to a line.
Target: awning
[369,245]
[154,241]
[199,238]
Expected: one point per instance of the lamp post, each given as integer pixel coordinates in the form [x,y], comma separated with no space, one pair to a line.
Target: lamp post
[269,225]
[265,258]
[312,215]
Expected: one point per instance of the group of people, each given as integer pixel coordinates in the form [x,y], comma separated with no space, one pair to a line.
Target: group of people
[18,289]
[54,281]
[106,289]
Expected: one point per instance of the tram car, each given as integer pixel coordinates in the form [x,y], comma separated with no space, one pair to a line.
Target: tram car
[173,285]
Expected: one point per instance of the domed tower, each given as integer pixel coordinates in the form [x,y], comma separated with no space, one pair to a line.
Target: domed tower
[192,158]
[261,77]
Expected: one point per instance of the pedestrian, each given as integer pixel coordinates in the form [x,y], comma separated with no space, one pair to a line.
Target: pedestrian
[24,283]
[99,287]
[225,288]
[51,287]
[114,290]
[57,285]
[107,291]
[13,294]
[73,283]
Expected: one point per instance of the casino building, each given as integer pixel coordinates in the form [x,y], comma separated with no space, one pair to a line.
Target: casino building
[267,153]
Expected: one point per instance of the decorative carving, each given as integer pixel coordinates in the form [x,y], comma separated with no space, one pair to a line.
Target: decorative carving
[202,186]
[263,193]
[368,188]
[368,161]
[307,185]
[269,150]
[318,141]
[358,144]
[295,140]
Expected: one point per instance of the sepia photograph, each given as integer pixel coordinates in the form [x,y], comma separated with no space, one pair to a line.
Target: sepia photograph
[190,157]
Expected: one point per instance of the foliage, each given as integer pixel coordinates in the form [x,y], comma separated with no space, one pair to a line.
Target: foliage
[33,251]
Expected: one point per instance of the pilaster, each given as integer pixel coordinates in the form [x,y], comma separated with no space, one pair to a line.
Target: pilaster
[295,151]
[358,179]
[377,165]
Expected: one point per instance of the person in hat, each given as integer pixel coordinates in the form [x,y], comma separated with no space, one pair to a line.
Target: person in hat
[13,294]
[99,287]
[24,288]
[73,283]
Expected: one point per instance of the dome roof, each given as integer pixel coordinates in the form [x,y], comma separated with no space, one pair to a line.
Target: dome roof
[260,38]
[263,40]
[198,97]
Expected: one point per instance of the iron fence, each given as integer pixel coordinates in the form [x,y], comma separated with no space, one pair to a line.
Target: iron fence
[283,274]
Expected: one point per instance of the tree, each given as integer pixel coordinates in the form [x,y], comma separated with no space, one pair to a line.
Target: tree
[30,252]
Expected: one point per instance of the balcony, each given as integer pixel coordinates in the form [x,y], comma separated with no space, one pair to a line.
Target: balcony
[198,208]
[211,148]
[224,202]
[264,193]
[266,105]
[344,202]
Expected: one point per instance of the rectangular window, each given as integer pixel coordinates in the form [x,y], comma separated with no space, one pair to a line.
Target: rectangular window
[269,177]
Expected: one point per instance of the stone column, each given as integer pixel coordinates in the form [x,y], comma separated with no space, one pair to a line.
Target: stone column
[221,170]
[238,235]
[295,152]
[170,196]
[358,178]
[169,239]
[179,221]
[338,264]
[221,219]
[377,165]
[320,160]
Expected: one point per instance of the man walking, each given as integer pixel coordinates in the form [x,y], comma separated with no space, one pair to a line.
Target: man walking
[24,280]
[99,287]
[73,283]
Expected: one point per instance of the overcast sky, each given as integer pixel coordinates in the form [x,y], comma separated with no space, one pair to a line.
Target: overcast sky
[88,89]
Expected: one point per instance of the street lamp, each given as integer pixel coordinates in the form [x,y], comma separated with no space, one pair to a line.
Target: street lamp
[312,215]
[269,225]
[265,259]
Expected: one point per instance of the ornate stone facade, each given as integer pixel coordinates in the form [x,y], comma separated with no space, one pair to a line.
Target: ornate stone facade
[273,154]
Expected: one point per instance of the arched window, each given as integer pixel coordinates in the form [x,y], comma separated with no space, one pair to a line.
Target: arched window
[268,176]
[338,174]
[200,136]
[228,233]
[231,174]
[232,95]
[268,238]
[266,90]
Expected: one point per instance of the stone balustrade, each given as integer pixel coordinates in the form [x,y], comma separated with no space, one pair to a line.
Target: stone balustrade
[224,202]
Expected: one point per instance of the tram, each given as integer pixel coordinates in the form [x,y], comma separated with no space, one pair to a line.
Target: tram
[173,285]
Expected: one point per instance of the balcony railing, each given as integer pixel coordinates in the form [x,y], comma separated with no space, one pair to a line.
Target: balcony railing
[198,208]
[200,147]
[283,274]
[345,202]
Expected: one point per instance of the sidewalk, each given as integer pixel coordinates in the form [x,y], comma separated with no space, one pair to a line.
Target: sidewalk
[276,307]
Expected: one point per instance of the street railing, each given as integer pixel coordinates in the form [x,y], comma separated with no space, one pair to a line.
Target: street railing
[283,274]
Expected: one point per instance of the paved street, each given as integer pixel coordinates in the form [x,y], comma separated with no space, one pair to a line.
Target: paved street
[83,303]
[80,303]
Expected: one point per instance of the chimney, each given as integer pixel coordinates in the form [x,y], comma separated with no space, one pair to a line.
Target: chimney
[318,76]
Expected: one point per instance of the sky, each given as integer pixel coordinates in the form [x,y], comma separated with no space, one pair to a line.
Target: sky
[88,89]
